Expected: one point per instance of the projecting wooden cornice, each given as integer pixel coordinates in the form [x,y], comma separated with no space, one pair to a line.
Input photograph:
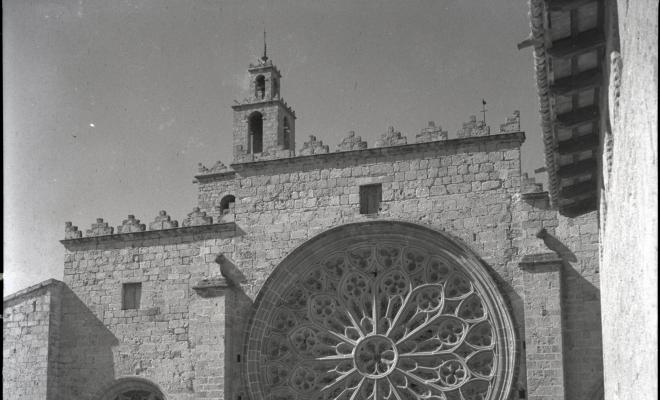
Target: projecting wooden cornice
[578,44]
[578,168]
[572,84]
[577,117]
[576,145]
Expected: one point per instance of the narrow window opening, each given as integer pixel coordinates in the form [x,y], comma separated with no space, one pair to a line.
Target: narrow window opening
[131,293]
[522,394]
[256,134]
[370,198]
[227,204]
[474,237]
[238,358]
[260,87]
[287,133]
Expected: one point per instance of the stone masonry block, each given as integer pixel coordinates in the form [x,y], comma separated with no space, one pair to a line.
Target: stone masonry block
[100,228]
[131,225]
[163,221]
[391,138]
[197,217]
[351,142]
[71,232]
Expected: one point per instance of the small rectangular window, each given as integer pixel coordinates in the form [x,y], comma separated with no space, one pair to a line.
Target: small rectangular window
[131,293]
[370,197]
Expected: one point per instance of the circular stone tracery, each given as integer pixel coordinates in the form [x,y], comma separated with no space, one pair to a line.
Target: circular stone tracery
[378,318]
[375,356]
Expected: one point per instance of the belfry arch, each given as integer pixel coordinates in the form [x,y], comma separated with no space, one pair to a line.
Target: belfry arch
[380,310]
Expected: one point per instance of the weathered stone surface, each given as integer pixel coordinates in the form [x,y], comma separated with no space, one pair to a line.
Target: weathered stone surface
[352,142]
[197,217]
[512,124]
[313,146]
[473,128]
[218,167]
[391,138]
[71,232]
[131,225]
[163,221]
[100,228]
[431,133]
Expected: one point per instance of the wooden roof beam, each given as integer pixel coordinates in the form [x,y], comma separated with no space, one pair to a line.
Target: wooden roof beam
[567,5]
[587,166]
[577,117]
[572,84]
[581,43]
[576,145]
[578,189]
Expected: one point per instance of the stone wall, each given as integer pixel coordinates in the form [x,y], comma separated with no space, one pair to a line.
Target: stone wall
[176,338]
[31,324]
[188,335]
[577,337]
[629,205]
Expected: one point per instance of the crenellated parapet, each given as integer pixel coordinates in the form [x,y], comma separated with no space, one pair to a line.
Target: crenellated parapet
[473,128]
[100,228]
[391,138]
[217,168]
[352,142]
[197,217]
[511,124]
[71,232]
[163,221]
[313,146]
[131,225]
[529,185]
[431,133]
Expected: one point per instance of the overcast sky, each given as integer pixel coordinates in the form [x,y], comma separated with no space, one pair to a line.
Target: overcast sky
[110,105]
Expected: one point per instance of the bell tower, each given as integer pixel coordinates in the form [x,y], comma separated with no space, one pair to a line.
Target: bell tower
[264,125]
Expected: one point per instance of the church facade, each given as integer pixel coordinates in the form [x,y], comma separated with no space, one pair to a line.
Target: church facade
[425,270]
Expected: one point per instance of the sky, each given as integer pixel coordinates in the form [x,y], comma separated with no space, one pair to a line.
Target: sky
[108,106]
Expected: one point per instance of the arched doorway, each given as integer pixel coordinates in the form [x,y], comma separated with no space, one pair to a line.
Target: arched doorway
[133,388]
[380,310]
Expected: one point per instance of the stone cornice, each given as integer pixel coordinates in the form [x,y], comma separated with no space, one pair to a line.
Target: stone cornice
[251,104]
[30,289]
[382,151]
[228,227]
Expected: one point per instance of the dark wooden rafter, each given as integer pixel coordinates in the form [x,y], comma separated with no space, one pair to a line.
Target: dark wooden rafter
[583,167]
[570,85]
[576,145]
[580,207]
[581,43]
[577,117]
[578,189]
[567,5]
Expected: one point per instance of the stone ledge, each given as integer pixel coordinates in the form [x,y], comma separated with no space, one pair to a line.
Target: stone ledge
[30,289]
[383,151]
[211,287]
[155,234]
[540,261]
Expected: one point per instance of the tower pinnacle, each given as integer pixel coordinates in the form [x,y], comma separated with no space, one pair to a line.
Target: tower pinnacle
[265,57]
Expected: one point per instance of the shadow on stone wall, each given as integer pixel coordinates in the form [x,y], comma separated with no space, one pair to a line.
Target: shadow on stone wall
[86,361]
[582,333]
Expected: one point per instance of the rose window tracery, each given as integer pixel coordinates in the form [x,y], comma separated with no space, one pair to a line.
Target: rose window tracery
[380,321]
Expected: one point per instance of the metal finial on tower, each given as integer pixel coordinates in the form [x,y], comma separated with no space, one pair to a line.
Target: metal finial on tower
[483,109]
[265,56]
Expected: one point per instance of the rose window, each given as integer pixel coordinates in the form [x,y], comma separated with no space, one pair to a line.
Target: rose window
[380,321]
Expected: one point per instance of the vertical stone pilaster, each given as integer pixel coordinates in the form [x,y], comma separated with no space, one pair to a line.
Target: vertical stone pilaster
[543,326]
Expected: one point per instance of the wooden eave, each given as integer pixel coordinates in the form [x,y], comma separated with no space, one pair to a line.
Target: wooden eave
[572,172]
